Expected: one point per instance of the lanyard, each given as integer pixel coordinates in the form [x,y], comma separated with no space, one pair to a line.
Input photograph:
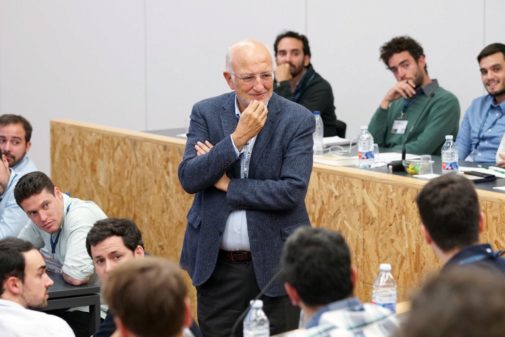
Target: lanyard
[54,241]
[406,104]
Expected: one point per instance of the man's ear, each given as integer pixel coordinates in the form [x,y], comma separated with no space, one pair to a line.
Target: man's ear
[121,330]
[426,234]
[306,60]
[292,294]
[482,222]
[228,77]
[139,251]
[188,319]
[28,146]
[13,285]
[354,277]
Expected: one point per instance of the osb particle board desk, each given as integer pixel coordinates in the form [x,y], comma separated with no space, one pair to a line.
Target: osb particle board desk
[134,174]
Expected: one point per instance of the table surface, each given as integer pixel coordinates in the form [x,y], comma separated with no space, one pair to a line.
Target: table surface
[487,186]
[61,288]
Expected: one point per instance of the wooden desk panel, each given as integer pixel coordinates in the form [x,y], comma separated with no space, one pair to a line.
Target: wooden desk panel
[134,174]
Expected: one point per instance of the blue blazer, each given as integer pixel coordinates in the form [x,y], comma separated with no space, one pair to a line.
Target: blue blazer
[273,195]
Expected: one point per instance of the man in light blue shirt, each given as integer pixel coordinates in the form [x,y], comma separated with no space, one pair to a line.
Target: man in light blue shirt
[483,125]
[12,217]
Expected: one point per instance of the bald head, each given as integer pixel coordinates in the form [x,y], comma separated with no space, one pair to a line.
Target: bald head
[244,50]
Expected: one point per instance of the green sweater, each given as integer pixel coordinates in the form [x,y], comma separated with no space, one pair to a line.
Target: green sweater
[431,116]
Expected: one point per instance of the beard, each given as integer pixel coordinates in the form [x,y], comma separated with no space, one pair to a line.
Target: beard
[296,70]
[497,93]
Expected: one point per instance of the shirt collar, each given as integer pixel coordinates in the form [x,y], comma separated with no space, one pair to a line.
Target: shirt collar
[350,304]
[429,88]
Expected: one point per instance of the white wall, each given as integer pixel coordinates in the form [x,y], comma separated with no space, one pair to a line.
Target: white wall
[141,64]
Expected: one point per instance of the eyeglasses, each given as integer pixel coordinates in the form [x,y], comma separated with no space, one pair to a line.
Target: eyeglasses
[251,78]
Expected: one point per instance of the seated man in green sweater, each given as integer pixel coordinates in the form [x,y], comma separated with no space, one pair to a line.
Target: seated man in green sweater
[416,113]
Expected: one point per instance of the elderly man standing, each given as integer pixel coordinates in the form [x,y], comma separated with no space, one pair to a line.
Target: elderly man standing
[248,159]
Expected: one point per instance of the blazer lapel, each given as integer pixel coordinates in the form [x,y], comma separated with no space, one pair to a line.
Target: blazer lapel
[263,139]
[229,123]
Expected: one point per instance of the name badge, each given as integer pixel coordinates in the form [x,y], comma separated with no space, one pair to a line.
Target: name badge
[399,126]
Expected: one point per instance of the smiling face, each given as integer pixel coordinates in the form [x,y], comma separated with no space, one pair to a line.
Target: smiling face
[250,59]
[404,67]
[36,282]
[110,253]
[492,70]
[45,209]
[13,143]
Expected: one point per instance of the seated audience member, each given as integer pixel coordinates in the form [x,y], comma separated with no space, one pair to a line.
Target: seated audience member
[58,227]
[316,265]
[148,298]
[296,80]
[452,220]
[416,112]
[12,217]
[463,302]
[484,122]
[109,243]
[15,141]
[24,286]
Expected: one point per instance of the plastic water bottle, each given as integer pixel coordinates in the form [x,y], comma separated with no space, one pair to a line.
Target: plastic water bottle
[318,134]
[384,288]
[365,148]
[256,323]
[449,156]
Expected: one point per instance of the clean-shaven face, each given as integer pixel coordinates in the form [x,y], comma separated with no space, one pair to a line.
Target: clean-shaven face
[110,253]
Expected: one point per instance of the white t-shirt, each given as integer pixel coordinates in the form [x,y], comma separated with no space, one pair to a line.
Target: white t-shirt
[17,321]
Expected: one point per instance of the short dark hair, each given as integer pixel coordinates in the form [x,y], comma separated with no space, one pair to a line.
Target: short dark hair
[491,49]
[9,119]
[31,184]
[124,228]
[12,261]
[400,44]
[464,301]
[450,211]
[317,263]
[148,296]
[294,35]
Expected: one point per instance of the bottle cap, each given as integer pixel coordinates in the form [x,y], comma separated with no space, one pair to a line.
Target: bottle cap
[256,303]
[385,267]
[316,112]
[449,137]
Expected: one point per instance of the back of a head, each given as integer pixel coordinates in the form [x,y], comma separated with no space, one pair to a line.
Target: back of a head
[12,261]
[462,302]
[317,263]
[9,119]
[450,211]
[148,296]
[31,184]
[122,227]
